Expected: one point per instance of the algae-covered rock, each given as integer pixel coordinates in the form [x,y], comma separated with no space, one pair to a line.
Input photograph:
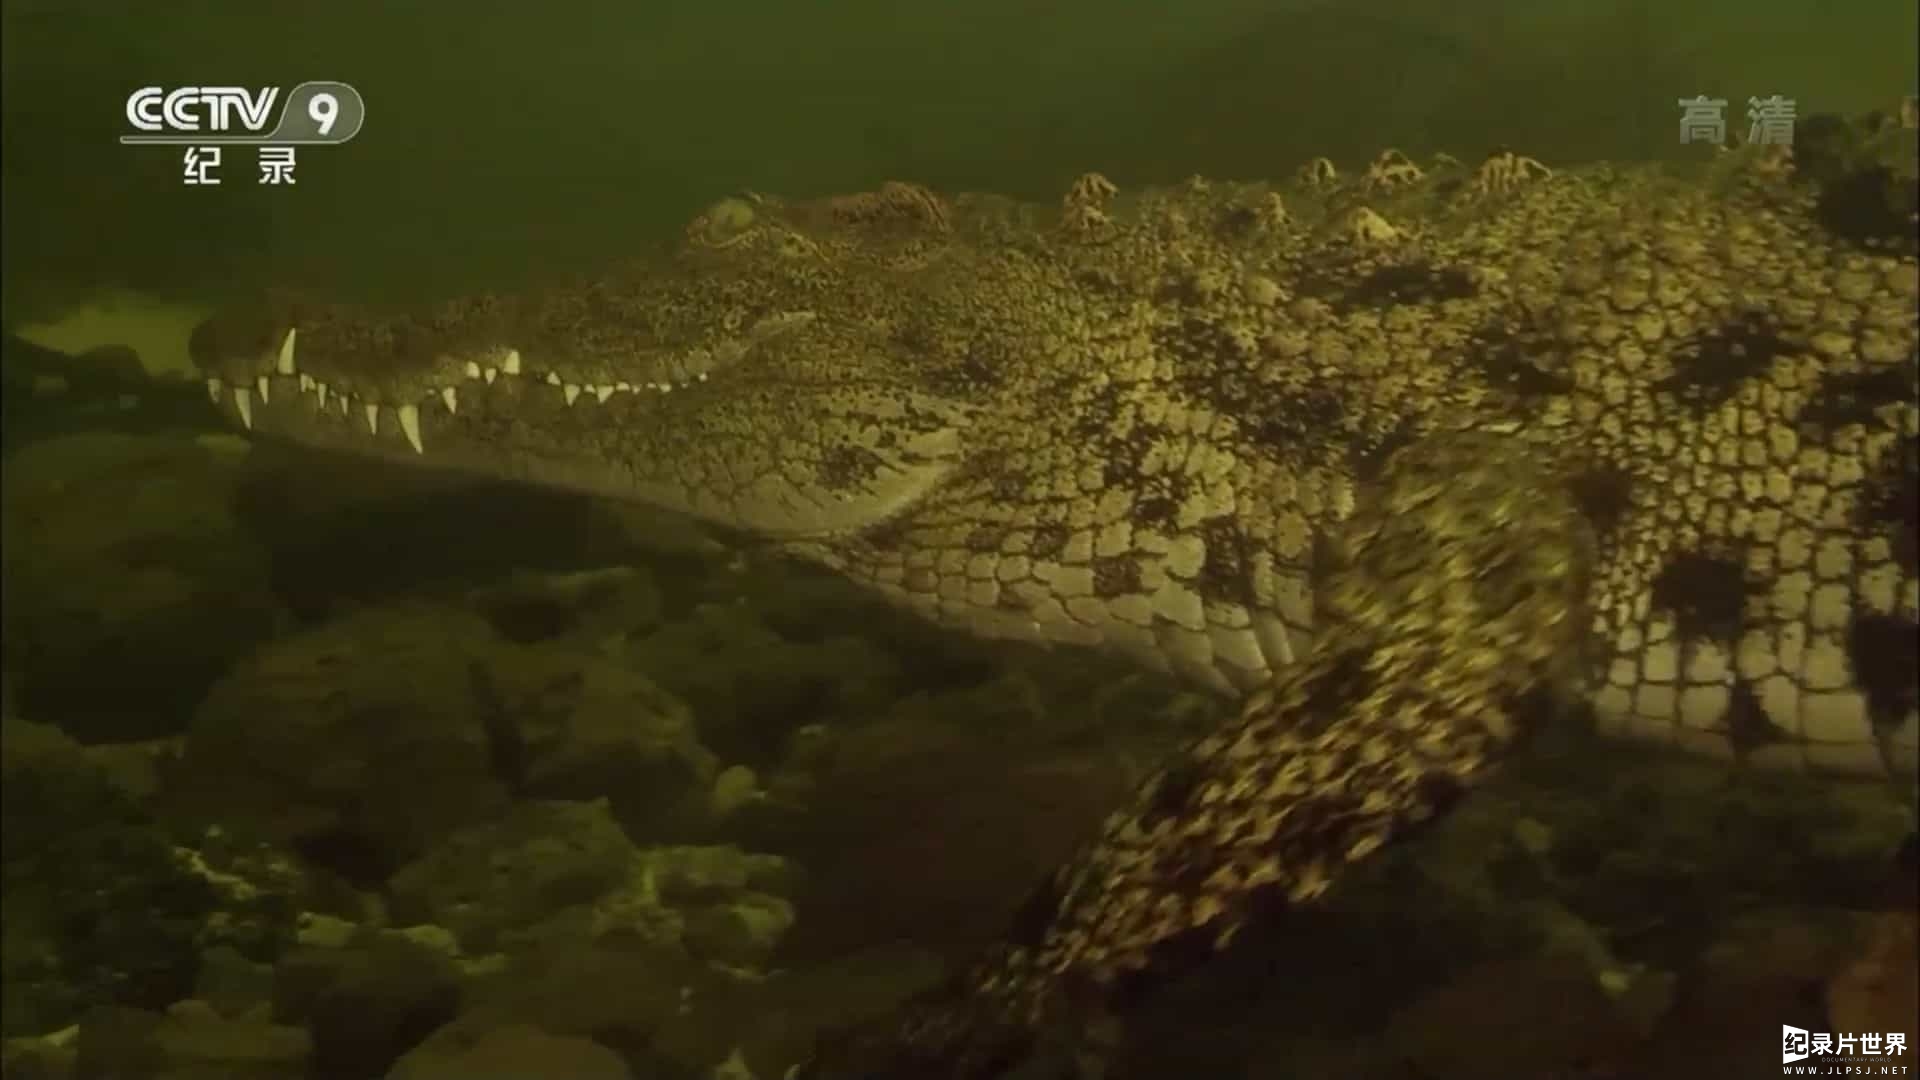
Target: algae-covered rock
[189,1041]
[622,993]
[359,741]
[706,874]
[1746,978]
[1513,1018]
[52,1056]
[740,934]
[777,1021]
[545,874]
[888,796]
[751,686]
[579,724]
[130,585]
[514,1050]
[102,904]
[232,984]
[670,1015]
[99,912]
[592,605]
[1865,172]
[732,902]
[367,738]
[534,860]
[368,1002]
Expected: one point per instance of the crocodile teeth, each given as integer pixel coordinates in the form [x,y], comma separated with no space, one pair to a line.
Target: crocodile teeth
[623,386]
[243,400]
[571,392]
[453,401]
[603,393]
[511,363]
[320,391]
[491,373]
[373,418]
[553,378]
[214,386]
[473,369]
[346,406]
[410,426]
[306,382]
[262,382]
[283,363]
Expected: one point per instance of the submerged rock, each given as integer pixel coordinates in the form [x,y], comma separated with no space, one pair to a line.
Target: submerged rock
[368,1002]
[358,742]
[103,906]
[130,585]
[555,872]
[367,739]
[578,724]
[514,1050]
[536,859]
[1544,1019]
[189,1041]
[623,994]
[752,687]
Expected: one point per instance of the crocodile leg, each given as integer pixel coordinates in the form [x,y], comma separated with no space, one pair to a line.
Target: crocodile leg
[1454,605]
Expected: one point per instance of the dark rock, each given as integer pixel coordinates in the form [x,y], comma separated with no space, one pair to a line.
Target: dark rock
[894,794]
[581,725]
[358,743]
[130,585]
[536,859]
[392,727]
[514,1050]
[751,687]
[231,983]
[189,1041]
[1761,971]
[99,909]
[589,605]
[778,1021]
[368,1003]
[623,994]
[1526,1018]
[344,531]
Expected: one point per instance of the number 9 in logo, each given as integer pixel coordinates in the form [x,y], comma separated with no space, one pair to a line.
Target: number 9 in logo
[324,109]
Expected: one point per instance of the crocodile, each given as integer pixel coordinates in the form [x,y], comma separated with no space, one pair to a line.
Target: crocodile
[1404,459]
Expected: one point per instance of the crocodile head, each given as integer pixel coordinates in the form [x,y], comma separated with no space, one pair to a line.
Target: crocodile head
[752,377]
[1138,420]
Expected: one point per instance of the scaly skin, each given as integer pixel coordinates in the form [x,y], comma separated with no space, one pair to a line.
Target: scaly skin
[1409,457]
[1418,683]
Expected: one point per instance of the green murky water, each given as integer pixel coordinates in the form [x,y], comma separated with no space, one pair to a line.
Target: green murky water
[503,140]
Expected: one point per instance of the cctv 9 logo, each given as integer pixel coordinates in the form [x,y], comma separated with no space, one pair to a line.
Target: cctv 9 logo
[322,113]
